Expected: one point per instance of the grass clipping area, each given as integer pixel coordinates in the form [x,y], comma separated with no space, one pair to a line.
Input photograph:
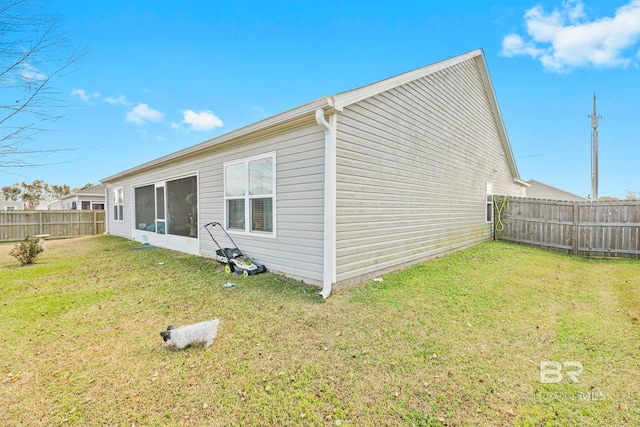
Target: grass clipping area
[455,341]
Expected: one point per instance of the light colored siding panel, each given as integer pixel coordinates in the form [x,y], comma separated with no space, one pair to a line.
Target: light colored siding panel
[298,246]
[412,169]
[297,249]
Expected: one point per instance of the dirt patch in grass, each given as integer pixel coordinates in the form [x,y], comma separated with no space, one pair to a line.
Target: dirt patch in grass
[454,341]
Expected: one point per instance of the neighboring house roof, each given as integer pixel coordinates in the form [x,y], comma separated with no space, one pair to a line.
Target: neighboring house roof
[50,205]
[539,190]
[306,114]
[94,191]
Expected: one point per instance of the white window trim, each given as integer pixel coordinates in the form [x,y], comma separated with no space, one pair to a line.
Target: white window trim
[115,190]
[489,201]
[247,211]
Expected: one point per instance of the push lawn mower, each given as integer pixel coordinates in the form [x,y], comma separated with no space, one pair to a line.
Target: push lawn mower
[233,259]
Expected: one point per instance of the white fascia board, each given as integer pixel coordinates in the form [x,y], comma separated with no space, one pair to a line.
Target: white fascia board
[344,99]
[493,101]
[244,132]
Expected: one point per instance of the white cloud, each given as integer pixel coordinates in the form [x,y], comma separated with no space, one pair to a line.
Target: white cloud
[142,113]
[120,100]
[204,120]
[566,39]
[84,96]
[31,73]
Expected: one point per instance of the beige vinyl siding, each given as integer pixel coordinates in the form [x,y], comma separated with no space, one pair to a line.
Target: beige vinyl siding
[412,169]
[297,247]
[118,228]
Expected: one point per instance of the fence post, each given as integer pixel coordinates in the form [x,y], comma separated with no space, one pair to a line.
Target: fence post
[575,234]
[40,223]
[95,223]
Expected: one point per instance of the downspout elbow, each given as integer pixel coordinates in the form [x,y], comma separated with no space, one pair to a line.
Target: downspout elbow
[322,121]
[325,292]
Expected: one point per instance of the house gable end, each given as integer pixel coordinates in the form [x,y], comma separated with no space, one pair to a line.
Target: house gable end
[415,164]
[344,99]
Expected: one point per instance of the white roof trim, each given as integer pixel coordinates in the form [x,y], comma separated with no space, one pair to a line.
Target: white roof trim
[254,128]
[344,99]
[499,121]
[338,102]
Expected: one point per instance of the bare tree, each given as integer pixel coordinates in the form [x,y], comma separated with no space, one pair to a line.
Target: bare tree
[632,195]
[34,54]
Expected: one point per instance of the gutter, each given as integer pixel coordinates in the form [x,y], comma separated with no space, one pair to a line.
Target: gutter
[106,210]
[329,269]
[287,118]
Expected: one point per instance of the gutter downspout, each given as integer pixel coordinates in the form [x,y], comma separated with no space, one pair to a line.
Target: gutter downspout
[329,270]
[106,210]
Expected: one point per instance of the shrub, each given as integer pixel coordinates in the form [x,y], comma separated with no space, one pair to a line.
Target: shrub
[27,251]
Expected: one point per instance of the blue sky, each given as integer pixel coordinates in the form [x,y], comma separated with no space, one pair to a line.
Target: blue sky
[160,76]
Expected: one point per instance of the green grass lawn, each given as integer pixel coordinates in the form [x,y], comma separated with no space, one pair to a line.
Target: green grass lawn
[454,341]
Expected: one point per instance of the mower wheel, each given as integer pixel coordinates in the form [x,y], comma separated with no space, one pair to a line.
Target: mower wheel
[227,269]
[245,273]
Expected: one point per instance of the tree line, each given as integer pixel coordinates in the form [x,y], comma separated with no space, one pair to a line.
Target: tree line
[32,194]
[629,196]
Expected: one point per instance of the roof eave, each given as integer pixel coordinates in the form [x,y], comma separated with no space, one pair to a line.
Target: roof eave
[493,101]
[286,119]
[344,99]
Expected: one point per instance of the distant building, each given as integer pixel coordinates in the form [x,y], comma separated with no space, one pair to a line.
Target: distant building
[8,205]
[539,190]
[53,205]
[91,198]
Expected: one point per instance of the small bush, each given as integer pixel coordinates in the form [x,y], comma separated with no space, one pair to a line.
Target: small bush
[27,251]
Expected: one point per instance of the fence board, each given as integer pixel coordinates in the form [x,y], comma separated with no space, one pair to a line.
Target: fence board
[17,225]
[604,229]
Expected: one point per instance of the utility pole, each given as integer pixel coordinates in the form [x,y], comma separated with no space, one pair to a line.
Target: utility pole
[594,155]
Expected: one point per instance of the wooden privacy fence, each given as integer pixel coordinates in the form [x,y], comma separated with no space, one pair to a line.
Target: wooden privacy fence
[16,225]
[602,229]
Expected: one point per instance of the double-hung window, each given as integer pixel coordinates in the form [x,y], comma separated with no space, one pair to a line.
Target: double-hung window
[249,192]
[118,204]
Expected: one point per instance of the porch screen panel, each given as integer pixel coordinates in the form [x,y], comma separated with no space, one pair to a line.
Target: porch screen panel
[145,212]
[182,204]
